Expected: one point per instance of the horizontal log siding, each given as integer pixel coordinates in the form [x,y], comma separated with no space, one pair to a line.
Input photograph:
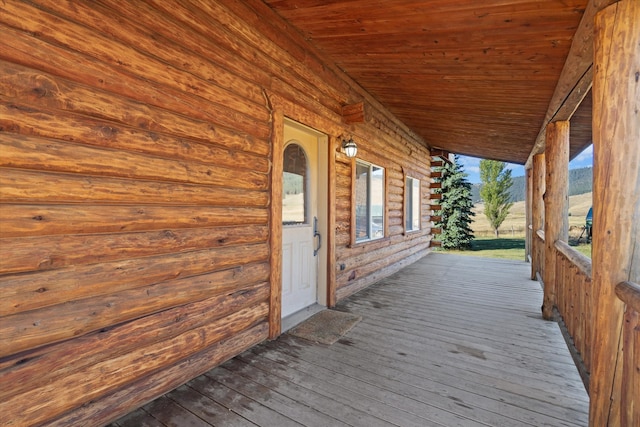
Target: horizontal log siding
[136,194]
[367,262]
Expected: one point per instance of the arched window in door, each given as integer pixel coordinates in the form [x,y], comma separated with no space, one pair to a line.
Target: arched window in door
[294,185]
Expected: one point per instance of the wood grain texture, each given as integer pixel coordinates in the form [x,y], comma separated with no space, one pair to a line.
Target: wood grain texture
[556,206]
[537,213]
[23,254]
[134,364]
[574,298]
[139,204]
[275,241]
[574,84]
[419,357]
[136,394]
[616,195]
[53,362]
[443,67]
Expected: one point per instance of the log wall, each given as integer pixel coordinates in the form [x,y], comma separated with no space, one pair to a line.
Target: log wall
[136,218]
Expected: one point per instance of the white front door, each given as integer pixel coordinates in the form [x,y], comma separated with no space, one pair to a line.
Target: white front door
[301,237]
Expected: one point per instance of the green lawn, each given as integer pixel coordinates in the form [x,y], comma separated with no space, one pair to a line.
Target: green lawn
[505,248]
[584,249]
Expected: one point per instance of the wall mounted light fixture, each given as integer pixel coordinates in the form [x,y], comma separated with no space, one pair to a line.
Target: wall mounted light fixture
[349,147]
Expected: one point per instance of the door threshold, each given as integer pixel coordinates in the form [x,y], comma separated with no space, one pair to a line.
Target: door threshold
[300,316]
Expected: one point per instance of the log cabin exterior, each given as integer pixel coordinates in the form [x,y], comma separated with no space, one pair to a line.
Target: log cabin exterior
[143,151]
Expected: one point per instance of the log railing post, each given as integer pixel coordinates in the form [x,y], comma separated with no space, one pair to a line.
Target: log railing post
[616,196]
[537,212]
[556,206]
[528,234]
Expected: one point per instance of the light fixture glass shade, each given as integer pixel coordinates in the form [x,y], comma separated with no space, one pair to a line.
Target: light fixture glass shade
[350,148]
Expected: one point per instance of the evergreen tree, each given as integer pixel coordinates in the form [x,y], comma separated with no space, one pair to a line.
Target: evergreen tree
[456,206]
[496,182]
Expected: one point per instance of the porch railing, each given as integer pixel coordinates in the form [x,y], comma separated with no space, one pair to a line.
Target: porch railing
[573,302]
[629,293]
[538,249]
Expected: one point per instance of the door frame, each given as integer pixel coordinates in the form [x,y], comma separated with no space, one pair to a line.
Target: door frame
[314,144]
[326,217]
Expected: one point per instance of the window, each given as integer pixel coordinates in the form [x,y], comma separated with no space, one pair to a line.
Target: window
[370,196]
[294,186]
[412,204]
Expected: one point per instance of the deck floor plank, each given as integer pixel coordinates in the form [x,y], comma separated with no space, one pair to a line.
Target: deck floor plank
[351,390]
[307,396]
[250,383]
[238,403]
[403,379]
[138,418]
[206,408]
[447,341]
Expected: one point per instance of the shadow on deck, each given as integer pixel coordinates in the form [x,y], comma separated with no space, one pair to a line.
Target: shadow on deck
[448,341]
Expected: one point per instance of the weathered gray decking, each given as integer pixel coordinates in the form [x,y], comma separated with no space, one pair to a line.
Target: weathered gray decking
[448,341]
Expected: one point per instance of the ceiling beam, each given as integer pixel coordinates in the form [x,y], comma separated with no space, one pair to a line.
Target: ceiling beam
[576,78]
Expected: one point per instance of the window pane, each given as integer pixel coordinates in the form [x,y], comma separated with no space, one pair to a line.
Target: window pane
[377,202]
[294,186]
[362,201]
[412,204]
[369,187]
[416,204]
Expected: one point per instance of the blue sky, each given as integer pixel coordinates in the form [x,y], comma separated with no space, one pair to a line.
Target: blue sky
[472,165]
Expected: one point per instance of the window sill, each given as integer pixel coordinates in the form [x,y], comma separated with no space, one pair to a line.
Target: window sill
[407,232]
[369,242]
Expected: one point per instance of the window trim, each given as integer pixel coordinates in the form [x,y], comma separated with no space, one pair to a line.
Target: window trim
[408,194]
[385,224]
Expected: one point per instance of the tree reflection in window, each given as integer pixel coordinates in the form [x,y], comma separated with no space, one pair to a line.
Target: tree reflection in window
[294,186]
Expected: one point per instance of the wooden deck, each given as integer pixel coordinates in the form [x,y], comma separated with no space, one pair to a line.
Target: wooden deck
[448,341]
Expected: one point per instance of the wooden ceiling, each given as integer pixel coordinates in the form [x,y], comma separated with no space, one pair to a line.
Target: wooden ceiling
[473,77]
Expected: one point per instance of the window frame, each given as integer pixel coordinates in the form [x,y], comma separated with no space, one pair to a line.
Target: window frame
[416,202]
[355,240]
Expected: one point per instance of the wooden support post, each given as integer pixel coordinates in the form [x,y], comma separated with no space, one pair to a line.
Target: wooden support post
[616,195]
[527,206]
[556,206]
[537,212]
[275,239]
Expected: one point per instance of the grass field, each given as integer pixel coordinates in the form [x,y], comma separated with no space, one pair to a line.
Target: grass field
[503,247]
[510,243]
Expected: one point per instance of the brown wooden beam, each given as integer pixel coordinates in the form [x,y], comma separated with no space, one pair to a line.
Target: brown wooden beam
[527,206]
[275,217]
[353,113]
[616,202]
[556,206]
[443,155]
[537,213]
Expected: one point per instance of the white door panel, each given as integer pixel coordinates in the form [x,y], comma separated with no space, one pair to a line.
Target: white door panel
[300,207]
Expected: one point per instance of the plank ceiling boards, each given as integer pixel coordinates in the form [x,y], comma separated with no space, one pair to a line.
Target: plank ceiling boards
[472,77]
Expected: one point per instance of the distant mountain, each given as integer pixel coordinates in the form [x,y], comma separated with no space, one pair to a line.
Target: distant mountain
[580,182]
